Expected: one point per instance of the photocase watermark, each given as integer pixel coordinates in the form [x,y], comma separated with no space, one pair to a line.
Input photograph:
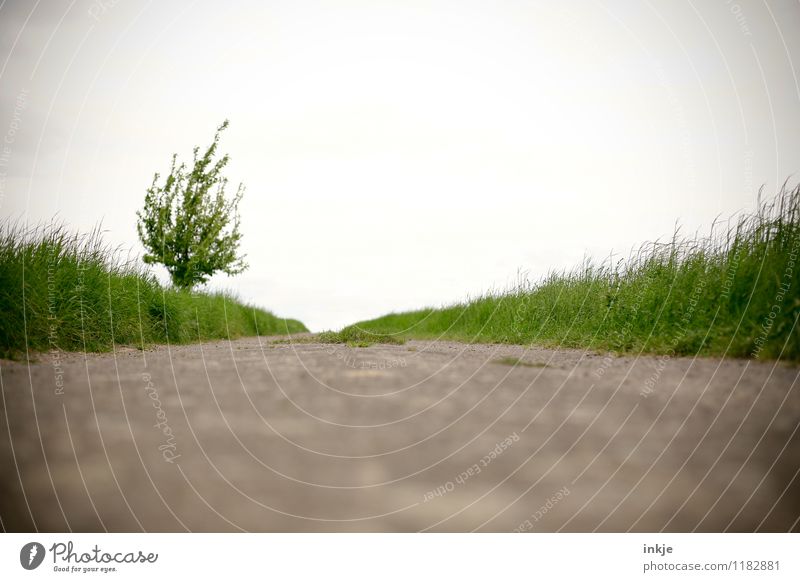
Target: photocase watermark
[348,358]
[58,371]
[652,380]
[551,502]
[55,352]
[679,114]
[622,333]
[6,148]
[730,274]
[739,16]
[749,188]
[82,268]
[169,449]
[52,326]
[99,8]
[473,470]
[66,559]
[31,555]
[725,292]
[20,104]
[682,330]
[784,284]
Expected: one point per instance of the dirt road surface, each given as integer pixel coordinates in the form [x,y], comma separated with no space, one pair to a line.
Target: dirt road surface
[436,436]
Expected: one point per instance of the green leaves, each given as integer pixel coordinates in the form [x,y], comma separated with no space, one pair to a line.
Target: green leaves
[188,224]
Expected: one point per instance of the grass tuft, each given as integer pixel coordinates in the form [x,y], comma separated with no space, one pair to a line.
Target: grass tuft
[65,291]
[512,361]
[357,338]
[735,292]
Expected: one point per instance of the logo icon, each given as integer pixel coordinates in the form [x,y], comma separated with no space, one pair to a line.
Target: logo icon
[31,555]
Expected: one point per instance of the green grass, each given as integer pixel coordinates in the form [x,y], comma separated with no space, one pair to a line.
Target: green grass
[356,338]
[512,361]
[735,292]
[351,336]
[72,292]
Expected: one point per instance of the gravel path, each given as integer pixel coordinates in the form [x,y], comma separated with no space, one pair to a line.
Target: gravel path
[263,436]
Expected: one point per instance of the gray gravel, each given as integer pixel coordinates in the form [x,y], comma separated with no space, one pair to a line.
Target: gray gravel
[262,436]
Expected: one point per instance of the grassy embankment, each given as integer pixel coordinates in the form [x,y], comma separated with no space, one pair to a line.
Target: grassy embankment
[71,292]
[735,292]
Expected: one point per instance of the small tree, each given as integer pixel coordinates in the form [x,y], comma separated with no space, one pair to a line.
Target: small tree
[187,223]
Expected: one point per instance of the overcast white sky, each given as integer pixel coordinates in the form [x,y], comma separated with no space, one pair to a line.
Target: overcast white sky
[403,154]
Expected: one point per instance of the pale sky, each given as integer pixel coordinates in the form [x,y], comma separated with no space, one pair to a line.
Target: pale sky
[403,154]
